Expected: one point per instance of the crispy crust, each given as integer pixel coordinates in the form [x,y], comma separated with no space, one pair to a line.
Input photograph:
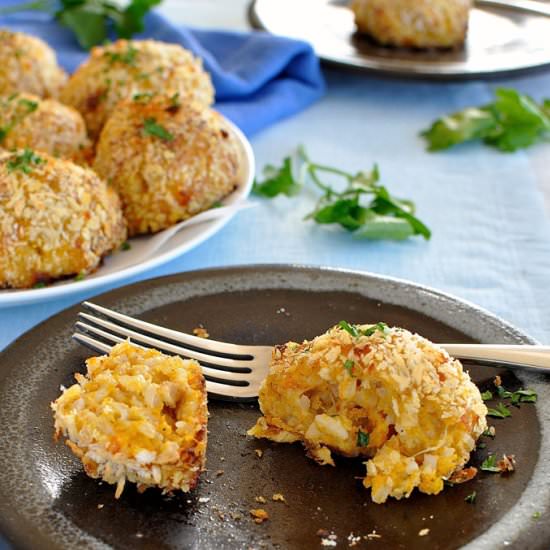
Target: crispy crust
[28,64]
[392,397]
[139,416]
[414,23]
[44,125]
[162,181]
[118,71]
[56,221]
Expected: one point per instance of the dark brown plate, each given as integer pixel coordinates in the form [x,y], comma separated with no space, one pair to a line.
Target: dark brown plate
[46,501]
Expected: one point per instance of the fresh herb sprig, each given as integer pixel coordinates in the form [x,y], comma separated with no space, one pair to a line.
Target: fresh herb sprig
[24,162]
[91,20]
[362,206]
[512,121]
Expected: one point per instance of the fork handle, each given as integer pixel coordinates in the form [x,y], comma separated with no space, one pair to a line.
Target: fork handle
[536,358]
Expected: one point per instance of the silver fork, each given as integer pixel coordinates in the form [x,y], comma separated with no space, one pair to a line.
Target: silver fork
[237,371]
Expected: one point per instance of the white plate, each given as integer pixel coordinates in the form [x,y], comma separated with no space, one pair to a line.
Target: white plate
[121,265]
[501,40]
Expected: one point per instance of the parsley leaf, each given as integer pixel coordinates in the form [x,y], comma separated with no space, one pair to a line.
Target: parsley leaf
[361,205]
[151,128]
[348,365]
[125,246]
[91,20]
[490,464]
[526,396]
[348,328]
[126,58]
[513,121]
[471,498]
[4,130]
[362,439]
[24,162]
[30,105]
[487,395]
[382,327]
[277,181]
[501,411]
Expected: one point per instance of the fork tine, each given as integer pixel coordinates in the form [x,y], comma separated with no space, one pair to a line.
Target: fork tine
[246,392]
[165,346]
[181,337]
[225,375]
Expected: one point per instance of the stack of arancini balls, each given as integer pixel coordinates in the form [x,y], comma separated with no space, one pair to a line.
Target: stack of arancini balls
[127,145]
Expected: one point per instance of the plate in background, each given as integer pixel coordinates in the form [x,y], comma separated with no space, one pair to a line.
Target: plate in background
[500,41]
[46,500]
[121,264]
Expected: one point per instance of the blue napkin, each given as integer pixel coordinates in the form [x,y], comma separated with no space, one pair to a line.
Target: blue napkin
[259,78]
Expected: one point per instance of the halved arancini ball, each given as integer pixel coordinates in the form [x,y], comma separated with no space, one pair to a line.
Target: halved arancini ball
[167,159]
[381,393]
[125,68]
[28,64]
[57,219]
[137,415]
[43,125]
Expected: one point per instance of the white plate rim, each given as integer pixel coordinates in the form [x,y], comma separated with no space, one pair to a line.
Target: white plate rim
[14,297]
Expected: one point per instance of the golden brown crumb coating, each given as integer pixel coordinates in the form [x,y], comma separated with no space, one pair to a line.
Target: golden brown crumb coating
[167,160]
[413,23]
[120,70]
[380,393]
[137,415]
[43,125]
[28,64]
[56,219]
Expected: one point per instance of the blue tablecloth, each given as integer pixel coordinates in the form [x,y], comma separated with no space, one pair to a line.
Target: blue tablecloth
[491,234]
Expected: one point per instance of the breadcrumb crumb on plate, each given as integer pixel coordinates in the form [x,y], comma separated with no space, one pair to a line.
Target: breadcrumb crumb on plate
[137,415]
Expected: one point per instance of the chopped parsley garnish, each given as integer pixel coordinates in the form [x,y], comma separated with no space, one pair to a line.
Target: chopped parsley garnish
[513,121]
[91,20]
[25,162]
[487,395]
[175,102]
[360,204]
[489,432]
[490,464]
[30,105]
[125,246]
[382,327]
[80,277]
[517,397]
[3,132]
[152,128]
[348,365]
[362,439]
[471,498]
[143,97]
[348,328]
[40,284]
[501,411]
[536,515]
[127,58]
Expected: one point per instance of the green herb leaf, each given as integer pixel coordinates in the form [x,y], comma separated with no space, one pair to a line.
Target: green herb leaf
[527,396]
[277,181]
[131,20]
[489,432]
[511,122]
[467,125]
[125,246]
[126,58]
[88,23]
[151,128]
[349,328]
[3,133]
[376,226]
[348,365]
[487,395]
[362,439]
[481,445]
[31,106]
[536,515]
[24,162]
[501,411]
[40,284]
[490,464]
[382,327]
[502,393]
[80,277]
[471,498]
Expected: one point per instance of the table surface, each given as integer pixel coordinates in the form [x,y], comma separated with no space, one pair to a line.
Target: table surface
[362,119]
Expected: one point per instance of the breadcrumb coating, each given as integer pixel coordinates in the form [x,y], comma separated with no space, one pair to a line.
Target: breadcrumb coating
[56,219]
[384,394]
[120,70]
[137,415]
[28,64]
[44,125]
[414,23]
[168,160]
